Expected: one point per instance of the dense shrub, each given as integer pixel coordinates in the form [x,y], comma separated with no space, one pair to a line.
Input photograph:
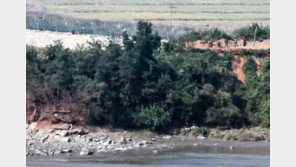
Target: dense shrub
[212,34]
[249,32]
[151,117]
[257,92]
[138,85]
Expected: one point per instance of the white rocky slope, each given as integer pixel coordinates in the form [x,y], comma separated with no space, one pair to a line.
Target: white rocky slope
[43,38]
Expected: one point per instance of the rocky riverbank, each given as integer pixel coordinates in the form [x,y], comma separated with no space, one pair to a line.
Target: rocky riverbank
[68,140]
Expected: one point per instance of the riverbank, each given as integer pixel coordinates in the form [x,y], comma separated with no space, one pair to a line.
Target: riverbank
[67,140]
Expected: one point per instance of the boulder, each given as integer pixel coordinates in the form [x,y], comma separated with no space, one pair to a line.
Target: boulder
[141,144]
[86,151]
[43,139]
[57,152]
[64,133]
[32,126]
[167,137]
[200,137]
[66,151]
[123,141]
[231,147]
[101,149]
[63,127]
[83,131]
[66,139]
[120,149]
[108,142]
[146,142]
[184,131]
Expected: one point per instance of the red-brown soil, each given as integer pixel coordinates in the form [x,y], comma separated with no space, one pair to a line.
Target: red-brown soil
[50,115]
[265,44]
[238,59]
[237,67]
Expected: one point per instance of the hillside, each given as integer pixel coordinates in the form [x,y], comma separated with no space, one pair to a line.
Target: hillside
[143,86]
[41,39]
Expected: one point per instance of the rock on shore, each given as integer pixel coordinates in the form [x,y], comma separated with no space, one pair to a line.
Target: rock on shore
[69,140]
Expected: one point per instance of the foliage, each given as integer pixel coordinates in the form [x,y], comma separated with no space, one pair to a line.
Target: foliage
[204,131]
[257,93]
[207,35]
[249,32]
[140,85]
[151,117]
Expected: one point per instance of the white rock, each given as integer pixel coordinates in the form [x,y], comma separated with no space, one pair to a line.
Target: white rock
[42,140]
[201,137]
[85,151]
[155,151]
[66,151]
[66,139]
[120,149]
[123,141]
[167,137]
[108,142]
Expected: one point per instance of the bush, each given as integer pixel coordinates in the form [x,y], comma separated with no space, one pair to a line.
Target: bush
[140,86]
[204,131]
[207,35]
[249,32]
[257,93]
[151,117]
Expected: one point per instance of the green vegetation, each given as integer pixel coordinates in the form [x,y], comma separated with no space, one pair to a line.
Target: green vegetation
[142,86]
[105,17]
[192,13]
[258,92]
[207,35]
[83,26]
[262,32]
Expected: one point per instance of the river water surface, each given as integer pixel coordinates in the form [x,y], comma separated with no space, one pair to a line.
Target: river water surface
[195,156]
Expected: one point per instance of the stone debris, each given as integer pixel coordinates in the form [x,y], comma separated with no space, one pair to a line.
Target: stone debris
[167,137]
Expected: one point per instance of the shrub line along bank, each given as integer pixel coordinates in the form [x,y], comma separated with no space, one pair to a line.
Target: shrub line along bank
[141,86]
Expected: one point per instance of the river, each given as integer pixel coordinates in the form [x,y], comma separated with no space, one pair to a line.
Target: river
[198,156]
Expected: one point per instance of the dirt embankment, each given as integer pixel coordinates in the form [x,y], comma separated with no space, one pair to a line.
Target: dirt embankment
[222,45]
[238,64]
[238,59]
[53,113]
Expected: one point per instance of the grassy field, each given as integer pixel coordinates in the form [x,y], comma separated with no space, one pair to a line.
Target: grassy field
[225,14]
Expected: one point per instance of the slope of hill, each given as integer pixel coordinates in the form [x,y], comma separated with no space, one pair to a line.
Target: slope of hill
[41,39]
